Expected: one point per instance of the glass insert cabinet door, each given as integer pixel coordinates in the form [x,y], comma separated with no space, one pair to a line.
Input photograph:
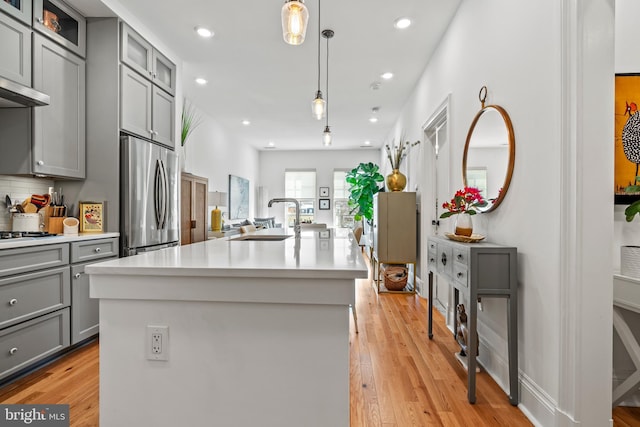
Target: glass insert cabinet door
[20,9]
[61,23]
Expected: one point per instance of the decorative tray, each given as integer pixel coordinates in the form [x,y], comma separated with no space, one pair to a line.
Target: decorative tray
[466,239]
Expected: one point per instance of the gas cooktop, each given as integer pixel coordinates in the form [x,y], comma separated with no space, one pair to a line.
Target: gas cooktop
[18,234]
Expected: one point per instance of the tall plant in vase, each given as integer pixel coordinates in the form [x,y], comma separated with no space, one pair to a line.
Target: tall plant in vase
[396,181]
[190,121]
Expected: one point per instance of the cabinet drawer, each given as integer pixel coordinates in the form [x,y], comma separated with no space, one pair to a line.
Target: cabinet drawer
[461,255]
[90,250]
[31,341]
[444,258]
[460,274]
[30,295]
[432,261]
[21,260]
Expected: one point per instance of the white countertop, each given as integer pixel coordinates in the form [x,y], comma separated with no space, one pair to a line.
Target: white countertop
[331,253]
[23,242]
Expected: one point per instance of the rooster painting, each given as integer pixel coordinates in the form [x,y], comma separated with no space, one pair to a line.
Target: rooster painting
[631,135]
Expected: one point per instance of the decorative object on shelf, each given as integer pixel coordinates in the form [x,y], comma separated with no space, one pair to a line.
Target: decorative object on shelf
[464,204]
[326,136]
[91,217]
[397,181]
[295,17]
[318,104]
[465,239]
[489,152]
[395,277]
[462,333]
[324,191]
[217,198]
[325,204]
[190,121]
[363,181]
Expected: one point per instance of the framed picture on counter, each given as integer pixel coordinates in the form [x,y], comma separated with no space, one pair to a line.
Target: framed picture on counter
[91,217]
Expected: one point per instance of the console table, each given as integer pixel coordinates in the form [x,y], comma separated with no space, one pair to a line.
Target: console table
[478,270]
[626,296]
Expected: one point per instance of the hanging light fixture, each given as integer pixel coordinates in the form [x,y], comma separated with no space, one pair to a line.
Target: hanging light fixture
[318,104]
[326,137]
[294,21]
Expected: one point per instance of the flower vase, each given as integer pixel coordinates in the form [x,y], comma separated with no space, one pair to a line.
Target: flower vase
[396,181]
[183,158]
[464,225]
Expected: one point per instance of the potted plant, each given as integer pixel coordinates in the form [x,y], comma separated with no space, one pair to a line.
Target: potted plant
[363,181]
[464,204]
[190,121]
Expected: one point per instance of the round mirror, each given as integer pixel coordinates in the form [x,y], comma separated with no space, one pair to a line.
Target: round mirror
[489,154]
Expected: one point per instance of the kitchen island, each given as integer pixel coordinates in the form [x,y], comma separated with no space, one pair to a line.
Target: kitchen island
[257,332]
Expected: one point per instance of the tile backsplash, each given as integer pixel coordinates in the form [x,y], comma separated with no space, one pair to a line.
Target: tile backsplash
[19,188]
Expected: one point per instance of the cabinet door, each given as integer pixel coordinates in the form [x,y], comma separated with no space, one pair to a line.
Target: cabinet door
[15,50]
[164,72]
[163,120]
[185,210]
[59,128]
[135,51]
[19,9]
[61,23]
[135,103]
[199,203]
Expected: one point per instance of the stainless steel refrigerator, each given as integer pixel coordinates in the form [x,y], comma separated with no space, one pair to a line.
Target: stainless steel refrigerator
[148,196]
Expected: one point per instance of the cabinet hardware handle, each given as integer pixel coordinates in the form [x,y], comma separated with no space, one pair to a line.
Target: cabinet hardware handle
[444,258]
[431,260]
[13,351]
[40,162]
[459,256]
[40,20]
[13,301]
[77,275]
[97,250]
[193,223]
[459,274]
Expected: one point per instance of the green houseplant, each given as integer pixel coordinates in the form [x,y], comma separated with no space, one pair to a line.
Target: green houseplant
[190,121]
[363,181]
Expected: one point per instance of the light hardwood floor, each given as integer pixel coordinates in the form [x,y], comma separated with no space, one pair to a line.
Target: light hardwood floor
[398,377]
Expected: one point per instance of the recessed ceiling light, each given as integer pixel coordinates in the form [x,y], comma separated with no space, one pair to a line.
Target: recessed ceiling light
[367,143]
[246,122]
[388,75]
[201,81]
[402,23]
[204,32]
[272,144]
[373,119]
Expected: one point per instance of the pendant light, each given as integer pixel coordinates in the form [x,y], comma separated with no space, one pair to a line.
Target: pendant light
[326,137]
[318,104]
[294,21]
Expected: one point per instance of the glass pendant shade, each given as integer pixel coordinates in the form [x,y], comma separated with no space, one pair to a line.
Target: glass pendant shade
[294,21]
[317,106]
[326,136]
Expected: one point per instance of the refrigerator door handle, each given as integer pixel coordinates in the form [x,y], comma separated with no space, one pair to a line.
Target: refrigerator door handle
[165,195]
[156,194]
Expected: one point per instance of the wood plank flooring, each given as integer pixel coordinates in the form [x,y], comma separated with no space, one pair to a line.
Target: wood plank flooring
[398,377]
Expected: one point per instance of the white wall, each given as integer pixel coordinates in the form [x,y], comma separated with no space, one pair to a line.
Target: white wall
[516,50]
[274,163]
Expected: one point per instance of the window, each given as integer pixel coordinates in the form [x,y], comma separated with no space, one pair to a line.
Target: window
[477,177]
[301,185]
[341,211]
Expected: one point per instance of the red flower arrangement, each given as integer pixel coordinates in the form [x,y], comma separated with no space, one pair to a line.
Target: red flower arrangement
[464,201]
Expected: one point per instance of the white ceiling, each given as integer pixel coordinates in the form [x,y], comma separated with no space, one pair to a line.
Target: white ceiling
[253,74]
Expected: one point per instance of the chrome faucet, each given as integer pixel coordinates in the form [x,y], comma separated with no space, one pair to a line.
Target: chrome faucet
[296,225]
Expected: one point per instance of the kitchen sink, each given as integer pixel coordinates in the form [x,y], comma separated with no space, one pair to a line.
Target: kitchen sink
[266,237]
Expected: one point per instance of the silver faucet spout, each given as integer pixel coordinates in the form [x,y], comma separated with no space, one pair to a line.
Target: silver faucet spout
[296,225]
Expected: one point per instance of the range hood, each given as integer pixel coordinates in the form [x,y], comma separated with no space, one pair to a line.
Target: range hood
[14,95]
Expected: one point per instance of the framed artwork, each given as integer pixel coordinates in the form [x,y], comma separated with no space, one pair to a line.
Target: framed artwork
[325,234]
[325,204]
[627,136]
[238,197]
[324,191]
[91,217]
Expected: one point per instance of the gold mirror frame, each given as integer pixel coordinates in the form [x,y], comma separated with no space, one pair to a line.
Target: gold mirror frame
[512,148]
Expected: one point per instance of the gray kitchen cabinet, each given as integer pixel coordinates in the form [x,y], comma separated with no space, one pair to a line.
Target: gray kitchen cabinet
[61,23]
[394,231]
[58,128]
[85,313]
[24,260]
[15,50]
[19,9]
[142,57]
[145,109]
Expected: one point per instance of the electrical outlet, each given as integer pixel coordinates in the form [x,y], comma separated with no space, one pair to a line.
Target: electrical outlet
[157,342]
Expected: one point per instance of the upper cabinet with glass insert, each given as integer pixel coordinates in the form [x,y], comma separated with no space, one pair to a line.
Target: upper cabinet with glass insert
[141,56]
[19,9]
[61,23]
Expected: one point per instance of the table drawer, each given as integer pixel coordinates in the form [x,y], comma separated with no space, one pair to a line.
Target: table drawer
[29,295]
[460,274]
[22,260]
[444,259]
[461,255]
[89,250]
[432,260]
[24,344]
